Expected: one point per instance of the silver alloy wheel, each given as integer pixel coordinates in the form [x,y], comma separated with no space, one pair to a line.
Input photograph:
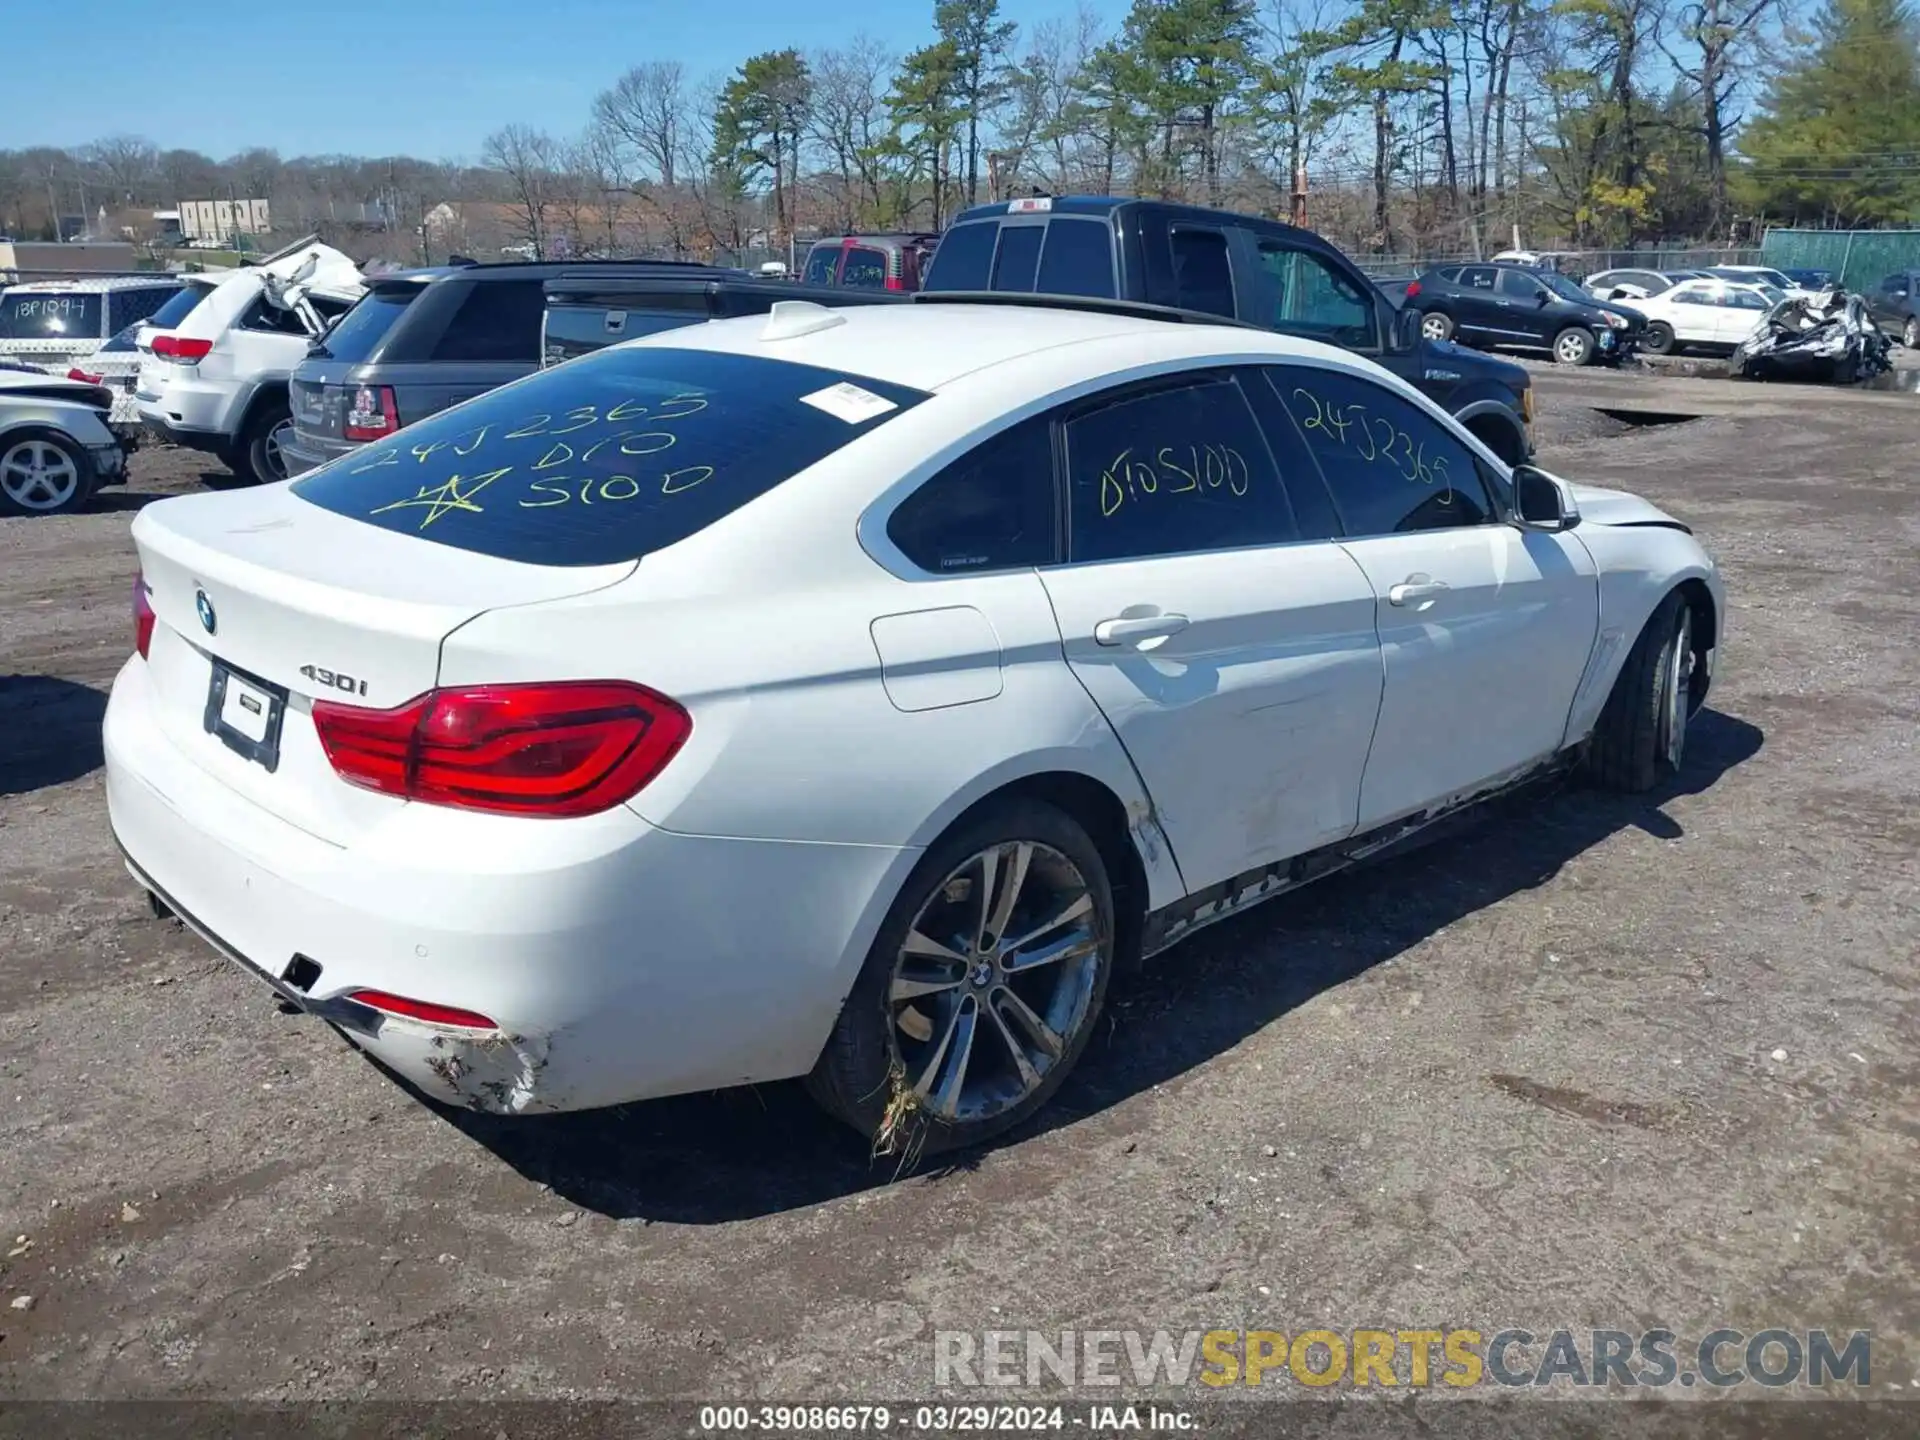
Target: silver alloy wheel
[1434,327]
[994,980]
[39,475]
[270,450]
[1570,349]
[1679,689]
[1911,335]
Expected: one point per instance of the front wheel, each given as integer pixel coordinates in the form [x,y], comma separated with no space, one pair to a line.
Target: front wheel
[1910,334]
[981,989]
[1659,339]
[1436,326]
[1573,346]
[1641,736]
[43,472]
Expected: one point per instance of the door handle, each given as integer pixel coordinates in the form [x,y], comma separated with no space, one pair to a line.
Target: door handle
[1414,589]
[1132,629]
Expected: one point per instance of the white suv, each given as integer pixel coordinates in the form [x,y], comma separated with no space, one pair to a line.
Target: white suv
[217,381]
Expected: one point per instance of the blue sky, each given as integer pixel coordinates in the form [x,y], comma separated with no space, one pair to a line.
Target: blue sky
[420,77]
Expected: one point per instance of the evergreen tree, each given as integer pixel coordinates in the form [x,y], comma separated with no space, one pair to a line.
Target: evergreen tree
[1839,140]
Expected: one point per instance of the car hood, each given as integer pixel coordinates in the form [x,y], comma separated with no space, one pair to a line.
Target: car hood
[39,384]
[1600,506]
[1625,312]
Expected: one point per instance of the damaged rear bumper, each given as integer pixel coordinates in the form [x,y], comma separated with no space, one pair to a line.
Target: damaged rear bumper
[615,961]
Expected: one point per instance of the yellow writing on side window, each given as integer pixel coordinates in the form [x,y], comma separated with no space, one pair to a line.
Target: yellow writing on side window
[1373,438]
[1169,470]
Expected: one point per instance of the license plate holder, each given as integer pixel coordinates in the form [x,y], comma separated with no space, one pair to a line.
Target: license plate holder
[245,714]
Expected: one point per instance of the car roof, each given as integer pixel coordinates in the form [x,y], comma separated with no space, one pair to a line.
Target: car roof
[97,284]
[928,347]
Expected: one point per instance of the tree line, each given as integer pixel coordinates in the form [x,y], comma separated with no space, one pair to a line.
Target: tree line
[1432,126]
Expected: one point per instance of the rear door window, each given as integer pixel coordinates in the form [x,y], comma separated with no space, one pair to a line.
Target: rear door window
[1202,273]
[964,257]
[605,460]
[1476,277]
[1017,261]
[866,268]
[366,325]
[1077,259]
[992,509]
[499,321]
[50,315]
[821,261]
[1172,472]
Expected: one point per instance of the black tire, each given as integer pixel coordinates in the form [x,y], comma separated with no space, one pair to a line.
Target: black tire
[1637,742]
[859,1076]
[253,459]
[1574,346]
[1659,339]
[1436,326]
[39,492]
[1502,437]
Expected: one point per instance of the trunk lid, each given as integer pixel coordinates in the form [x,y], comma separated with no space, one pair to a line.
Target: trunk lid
[306,604]
[319,395]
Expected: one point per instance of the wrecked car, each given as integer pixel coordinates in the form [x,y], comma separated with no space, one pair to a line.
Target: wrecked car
[1829,338]
[846,693]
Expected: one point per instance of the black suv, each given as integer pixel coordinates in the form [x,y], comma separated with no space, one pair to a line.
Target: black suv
[1895,306]
[588,310]
[1242,267]
[1518,305]
[421,340]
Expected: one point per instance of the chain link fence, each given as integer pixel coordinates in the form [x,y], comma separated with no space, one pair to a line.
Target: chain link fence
[1860,259]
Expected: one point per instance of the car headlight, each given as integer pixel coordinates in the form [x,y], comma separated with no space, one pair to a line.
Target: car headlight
[1617,322]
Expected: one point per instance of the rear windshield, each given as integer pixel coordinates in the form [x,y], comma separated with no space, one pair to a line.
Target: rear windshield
[366,324]
[49,315]
[820,262]
[180,305]
[606,459]
[964,257]
[580,327]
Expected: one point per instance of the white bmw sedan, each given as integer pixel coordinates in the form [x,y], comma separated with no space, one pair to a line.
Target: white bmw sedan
[844,694]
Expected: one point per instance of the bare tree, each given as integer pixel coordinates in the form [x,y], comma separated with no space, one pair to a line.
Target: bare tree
[647,110]
[849,123]
[525,159]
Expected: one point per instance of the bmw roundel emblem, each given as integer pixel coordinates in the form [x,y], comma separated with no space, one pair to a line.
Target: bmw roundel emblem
[205,608]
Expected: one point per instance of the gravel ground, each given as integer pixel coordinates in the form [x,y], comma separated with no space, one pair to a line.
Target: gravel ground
[1595,1061]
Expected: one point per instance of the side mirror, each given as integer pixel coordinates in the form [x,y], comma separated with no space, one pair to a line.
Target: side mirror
[1543,501]
[1406,328]
[1541,297]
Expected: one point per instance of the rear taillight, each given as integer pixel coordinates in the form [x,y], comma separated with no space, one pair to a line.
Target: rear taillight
[182,348]
[142,616]
[1413,288]
[373,415]
[570,748]
[76,373]
[422,1010]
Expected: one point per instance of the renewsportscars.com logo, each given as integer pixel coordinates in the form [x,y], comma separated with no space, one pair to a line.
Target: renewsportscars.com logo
[1380,1357]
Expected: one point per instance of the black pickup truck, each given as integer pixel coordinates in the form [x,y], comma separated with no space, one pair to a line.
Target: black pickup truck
[1241,267]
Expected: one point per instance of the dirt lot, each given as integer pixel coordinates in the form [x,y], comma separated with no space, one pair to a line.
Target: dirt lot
[1596,1062]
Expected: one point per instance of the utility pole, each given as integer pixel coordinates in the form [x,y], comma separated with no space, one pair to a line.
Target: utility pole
[1297,214]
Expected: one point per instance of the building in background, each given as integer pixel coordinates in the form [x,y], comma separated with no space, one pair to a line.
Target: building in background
[217,222]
